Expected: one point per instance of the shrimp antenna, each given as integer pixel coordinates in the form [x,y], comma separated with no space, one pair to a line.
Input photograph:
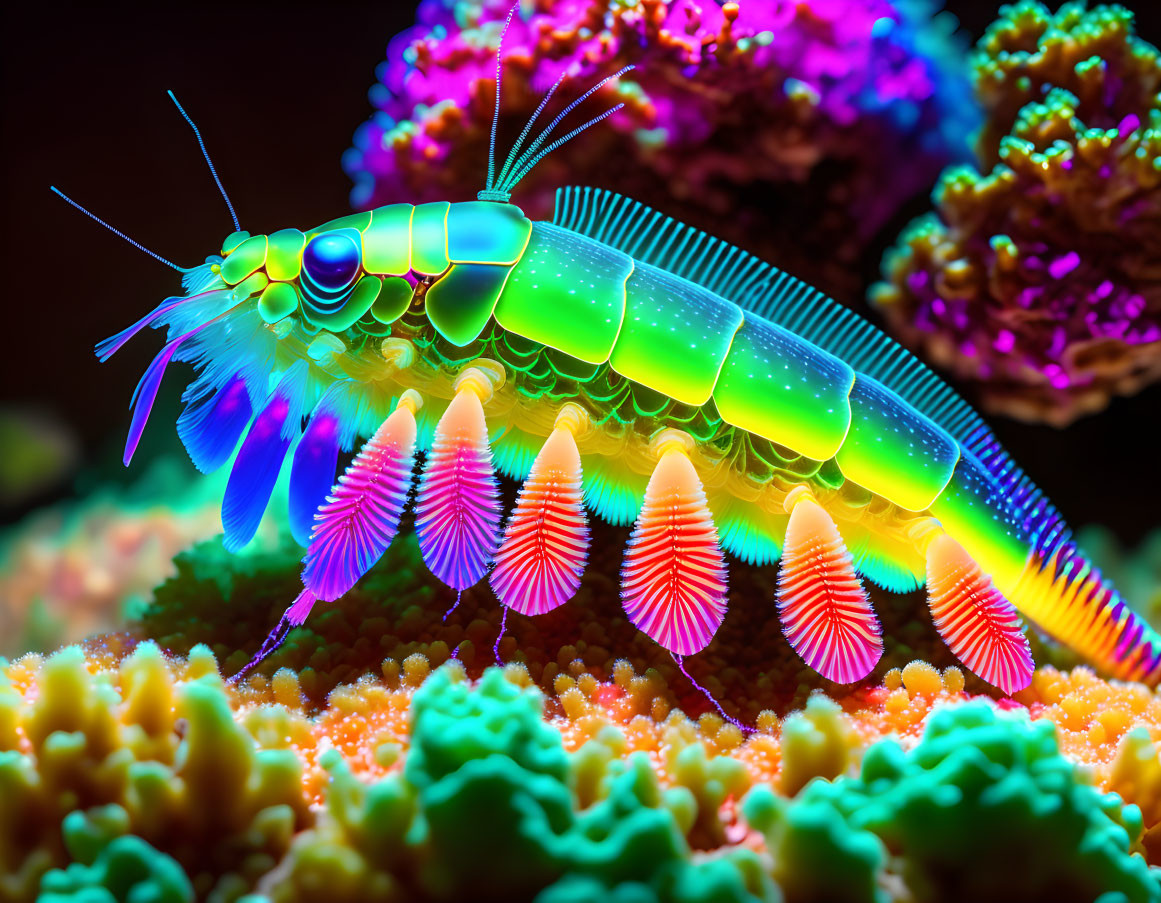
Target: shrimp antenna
[210,163]
[496,112]
[93,216]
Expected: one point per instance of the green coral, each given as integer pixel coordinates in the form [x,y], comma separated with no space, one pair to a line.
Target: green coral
[111,866]
[168,766]
[136,784]
[484,801]
[984,804]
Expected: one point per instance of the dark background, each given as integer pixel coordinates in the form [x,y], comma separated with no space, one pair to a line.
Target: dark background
[277,90]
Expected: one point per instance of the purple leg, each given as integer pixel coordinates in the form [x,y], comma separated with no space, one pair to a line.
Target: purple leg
[294,616]
[500,635]
[744,728]
[447,614]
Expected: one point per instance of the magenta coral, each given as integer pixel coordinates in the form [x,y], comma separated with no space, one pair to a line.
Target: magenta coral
[792,106]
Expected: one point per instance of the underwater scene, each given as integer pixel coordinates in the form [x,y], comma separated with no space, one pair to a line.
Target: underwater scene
[652,451]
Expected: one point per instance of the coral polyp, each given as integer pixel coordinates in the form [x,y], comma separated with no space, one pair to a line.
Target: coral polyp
[1033,279]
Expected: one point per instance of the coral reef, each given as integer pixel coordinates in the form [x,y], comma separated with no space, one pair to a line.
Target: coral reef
[790,106]
[1035,278]
[136,776]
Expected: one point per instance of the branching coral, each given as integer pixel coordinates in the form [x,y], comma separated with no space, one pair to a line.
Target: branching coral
[143,757]
[788,106]
[1036,276]
[137,777]
[979,789]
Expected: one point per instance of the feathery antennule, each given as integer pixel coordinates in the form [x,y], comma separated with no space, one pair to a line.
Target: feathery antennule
[209,162]
[117,232]
[531,164]
[496,112]
[514,152]
[522,165]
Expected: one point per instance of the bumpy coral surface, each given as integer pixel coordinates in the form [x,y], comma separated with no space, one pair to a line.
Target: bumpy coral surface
[1036,278]
[150,778]
[787,106]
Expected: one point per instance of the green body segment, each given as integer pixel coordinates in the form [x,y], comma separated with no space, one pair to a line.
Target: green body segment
[785,389]
[387,240]
[393,301]
[359,302]
[486,232]
[567,291]
[970,510]
[460,304]
[429,238]
[246,258]
[284,255]
[894,450]
[357,221]
[278,300]
[675,336]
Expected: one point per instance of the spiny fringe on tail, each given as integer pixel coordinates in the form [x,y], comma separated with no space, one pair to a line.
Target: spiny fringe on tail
[1069,601]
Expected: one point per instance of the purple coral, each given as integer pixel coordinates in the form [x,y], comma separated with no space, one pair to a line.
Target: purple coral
[1037,277]
[779,126]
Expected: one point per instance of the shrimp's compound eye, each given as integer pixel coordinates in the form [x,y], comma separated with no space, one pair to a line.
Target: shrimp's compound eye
[332,259]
